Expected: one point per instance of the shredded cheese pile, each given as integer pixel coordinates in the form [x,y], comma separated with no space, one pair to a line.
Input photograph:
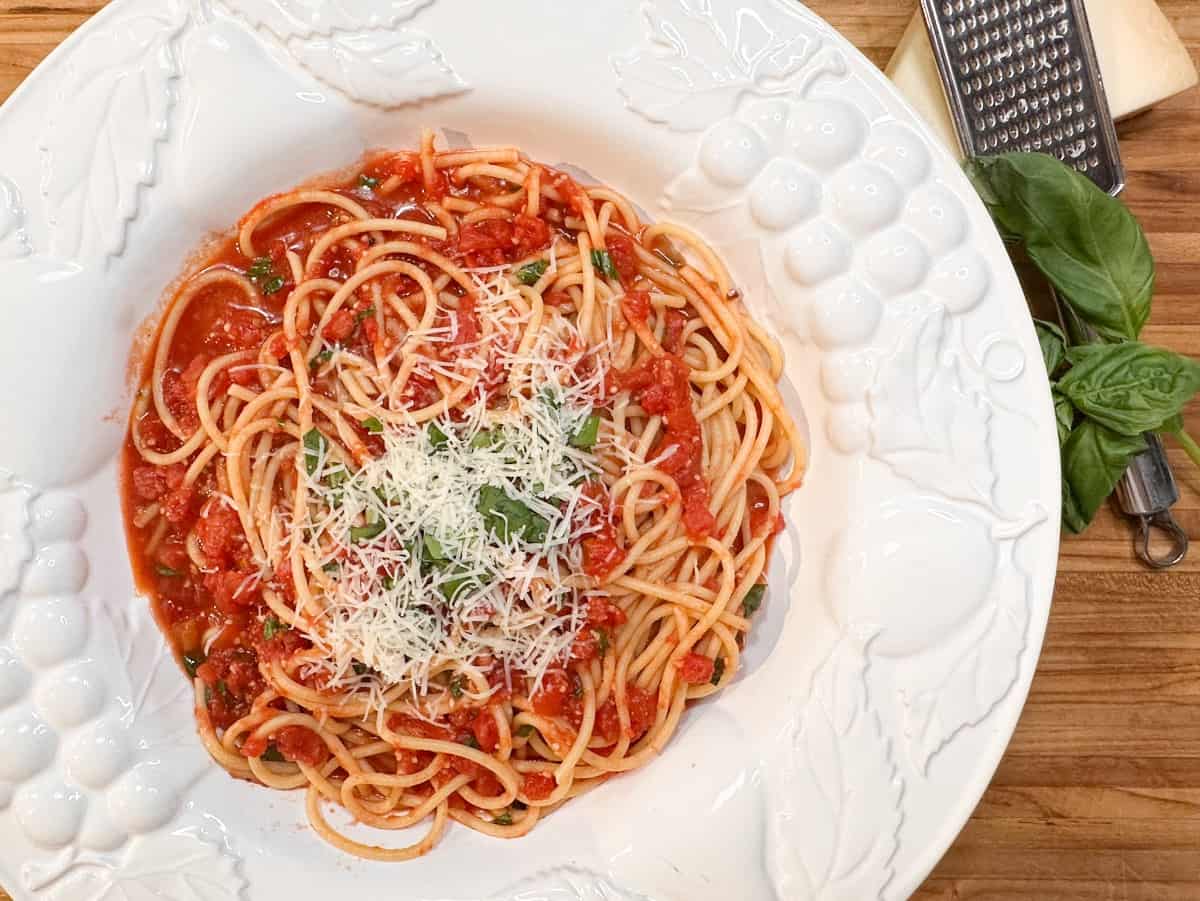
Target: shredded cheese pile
[461,542]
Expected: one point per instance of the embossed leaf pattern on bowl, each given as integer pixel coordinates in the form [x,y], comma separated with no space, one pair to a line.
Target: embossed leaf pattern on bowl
[357,48]
[14,242]
[118,90]
[288,19]
[175,866]
[382,68]
[701,58]
[567,884]
[837,771]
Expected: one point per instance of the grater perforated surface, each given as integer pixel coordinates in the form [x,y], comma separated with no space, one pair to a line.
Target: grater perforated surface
[1022,75]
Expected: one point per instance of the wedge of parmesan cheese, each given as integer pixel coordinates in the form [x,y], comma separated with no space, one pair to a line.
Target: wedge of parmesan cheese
[1141,58]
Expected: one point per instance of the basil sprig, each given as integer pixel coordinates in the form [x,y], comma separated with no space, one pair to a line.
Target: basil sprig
[1106,395]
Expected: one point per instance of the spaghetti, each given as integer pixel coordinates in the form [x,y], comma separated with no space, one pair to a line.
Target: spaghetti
[452,483]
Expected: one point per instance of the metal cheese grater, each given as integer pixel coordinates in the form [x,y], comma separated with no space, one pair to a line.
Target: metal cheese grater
[1023,75]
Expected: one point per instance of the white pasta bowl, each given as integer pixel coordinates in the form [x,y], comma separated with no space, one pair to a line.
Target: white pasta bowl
[907,600]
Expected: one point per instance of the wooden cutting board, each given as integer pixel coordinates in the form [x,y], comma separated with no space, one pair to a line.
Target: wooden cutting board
[1099,793]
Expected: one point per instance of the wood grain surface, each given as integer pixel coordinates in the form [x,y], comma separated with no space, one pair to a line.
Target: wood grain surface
[1098,796]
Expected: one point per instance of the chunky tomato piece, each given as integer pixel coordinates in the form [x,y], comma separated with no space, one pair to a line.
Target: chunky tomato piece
[232,591]
[529,235]
[233,681]
[149,482]
[696,669]
[219,531]
[636,306]
[623,255]
[603,613]
[339,327]
[411,725]
[179,504]
[301,745]
[643,709]
[485,730]
[556,688]
[539,786]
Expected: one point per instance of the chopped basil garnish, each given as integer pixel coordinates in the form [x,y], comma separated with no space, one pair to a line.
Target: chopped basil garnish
[602,640]
[363,315]
[336,477]
[589,432]
[360,668]
[272,285]
[389,582]
[531,272]
[321,359]
[525,730]
[332,567]
[164,570]
[315,446]
[272,755]
[437,437]
[223,689]
[505,819]
[754,598]
[487,439]
[470,741]
[602,260]
[366,181]
[272,627]
[452,586]
[718,670]
[260,267]
[506,517]
[433,548]
[191,661]
[456,686]
[372,425]
[367,532]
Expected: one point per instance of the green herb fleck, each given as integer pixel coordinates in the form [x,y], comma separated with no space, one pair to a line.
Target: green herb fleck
[718,671]
[223,689]
[602,641]
[389,582]
[164,570]
[485,439]
[321,359]
[332,567]
[272,627]
[456,686]
[272,755]
[366,181]
[754,598]
[602,261]
[272,285]
[433,548]
[367,532]
[260,267]
[315,447]
[525,730]
[360,668]
[470,741]
[191,661]
[363,315]
[531,272]
[505,819]
[437,437]
[372,425]
[506,517]
[589,432]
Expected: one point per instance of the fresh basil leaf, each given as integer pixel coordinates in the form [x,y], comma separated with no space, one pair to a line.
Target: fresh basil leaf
[437,437]
[456,686]
[372,425]
[1130,388]
[321,358]
[191,661]
[506,517]
[489,438]
[363,315]
[315,447]
[602,641]
[589,432]
[459,580]
[360,668]
[754,598]
[530,273]
[505,819]
[433,548]
[260,267]
[272,285]
[718,671]
[1094,458]
[602,260]
[366,532]
[1054,345]
[1064,415]
[525,730]
[1085,242]
[366,181]
[272,755]
[470,741]
[163,570]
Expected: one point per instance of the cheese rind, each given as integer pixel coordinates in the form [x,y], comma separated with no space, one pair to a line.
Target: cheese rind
[1141,59]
